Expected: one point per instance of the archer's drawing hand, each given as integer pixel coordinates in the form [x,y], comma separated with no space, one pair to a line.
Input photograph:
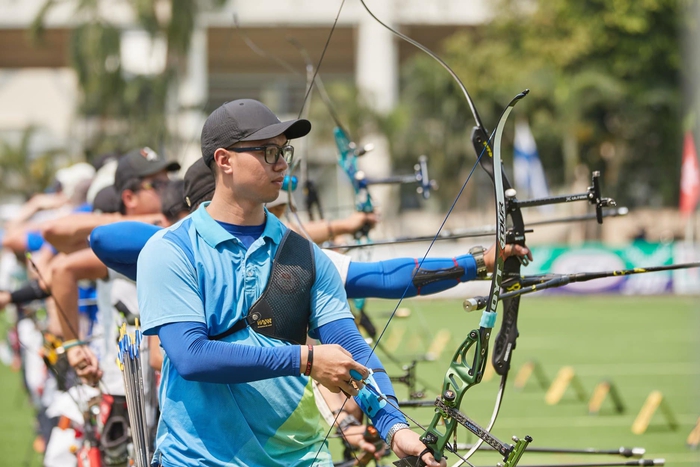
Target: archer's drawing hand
[407,443]
[511,250]
[331,368]
[357,221]
[85,363]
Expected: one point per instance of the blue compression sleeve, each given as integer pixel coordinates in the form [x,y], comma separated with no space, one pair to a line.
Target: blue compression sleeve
[197,358]
[388,279]
[118,245]
[34,241]
[344,332]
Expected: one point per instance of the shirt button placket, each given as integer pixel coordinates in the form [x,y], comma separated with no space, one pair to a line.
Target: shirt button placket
[249,282]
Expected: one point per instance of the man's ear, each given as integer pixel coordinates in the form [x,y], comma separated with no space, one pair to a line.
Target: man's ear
[222,159]
[129,199]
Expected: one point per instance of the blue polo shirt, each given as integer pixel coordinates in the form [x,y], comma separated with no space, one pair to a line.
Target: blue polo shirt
[197,271]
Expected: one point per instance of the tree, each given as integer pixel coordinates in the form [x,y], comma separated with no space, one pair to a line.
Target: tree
[24,172]
[126,111]
[604,79]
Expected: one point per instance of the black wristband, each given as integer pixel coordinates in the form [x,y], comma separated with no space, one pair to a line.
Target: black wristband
[309,360]
[29,292]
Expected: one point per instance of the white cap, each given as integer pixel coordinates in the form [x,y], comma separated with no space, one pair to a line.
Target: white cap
[103,178]
[71,177]
[283,198]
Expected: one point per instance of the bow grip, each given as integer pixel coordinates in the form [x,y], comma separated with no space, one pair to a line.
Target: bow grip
[505,340]
[415,461]
[410,461]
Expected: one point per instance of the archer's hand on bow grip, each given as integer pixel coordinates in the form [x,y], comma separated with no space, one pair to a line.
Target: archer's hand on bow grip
[420,459]
[410,461]
[360,223]
[416,461]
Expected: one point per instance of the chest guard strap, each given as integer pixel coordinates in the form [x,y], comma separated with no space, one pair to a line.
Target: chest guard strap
[284,308]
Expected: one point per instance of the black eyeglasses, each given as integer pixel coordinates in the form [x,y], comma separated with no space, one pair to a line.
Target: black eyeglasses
[272,152]
[157,184]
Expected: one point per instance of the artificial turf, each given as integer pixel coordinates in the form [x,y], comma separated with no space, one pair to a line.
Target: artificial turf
[641,344]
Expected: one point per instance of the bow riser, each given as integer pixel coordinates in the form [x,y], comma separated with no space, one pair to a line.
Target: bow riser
[347,159]
[505,340]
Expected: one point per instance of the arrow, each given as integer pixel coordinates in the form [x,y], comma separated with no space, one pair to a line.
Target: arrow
[550,281]
[477,231]
[621,451]
[643,462]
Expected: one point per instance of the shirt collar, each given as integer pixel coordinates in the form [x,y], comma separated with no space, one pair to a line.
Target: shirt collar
[214,234]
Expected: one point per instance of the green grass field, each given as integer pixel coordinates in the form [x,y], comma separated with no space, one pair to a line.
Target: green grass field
[640,344]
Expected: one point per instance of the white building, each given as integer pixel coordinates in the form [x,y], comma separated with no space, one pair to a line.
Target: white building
[39,88]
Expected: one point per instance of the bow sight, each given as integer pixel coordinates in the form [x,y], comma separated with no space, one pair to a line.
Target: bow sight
[592,195]
[420,176]
[348,154]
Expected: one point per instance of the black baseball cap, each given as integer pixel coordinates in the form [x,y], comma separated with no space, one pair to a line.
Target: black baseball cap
[172,199]
[106,200]
[245,120]
[140,163]
[199,183]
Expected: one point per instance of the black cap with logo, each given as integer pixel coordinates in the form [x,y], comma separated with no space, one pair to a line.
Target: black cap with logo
[245,120]
[138,164]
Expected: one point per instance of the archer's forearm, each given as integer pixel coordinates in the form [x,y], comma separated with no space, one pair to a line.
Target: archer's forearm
[70,233]
[66,271]
[198,358]
[395,278]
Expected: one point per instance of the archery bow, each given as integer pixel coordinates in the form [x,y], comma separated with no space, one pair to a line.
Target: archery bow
[469,376]
[461,376]
[506,273]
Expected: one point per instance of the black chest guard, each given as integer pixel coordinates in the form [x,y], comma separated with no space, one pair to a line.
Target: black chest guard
[284,308]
